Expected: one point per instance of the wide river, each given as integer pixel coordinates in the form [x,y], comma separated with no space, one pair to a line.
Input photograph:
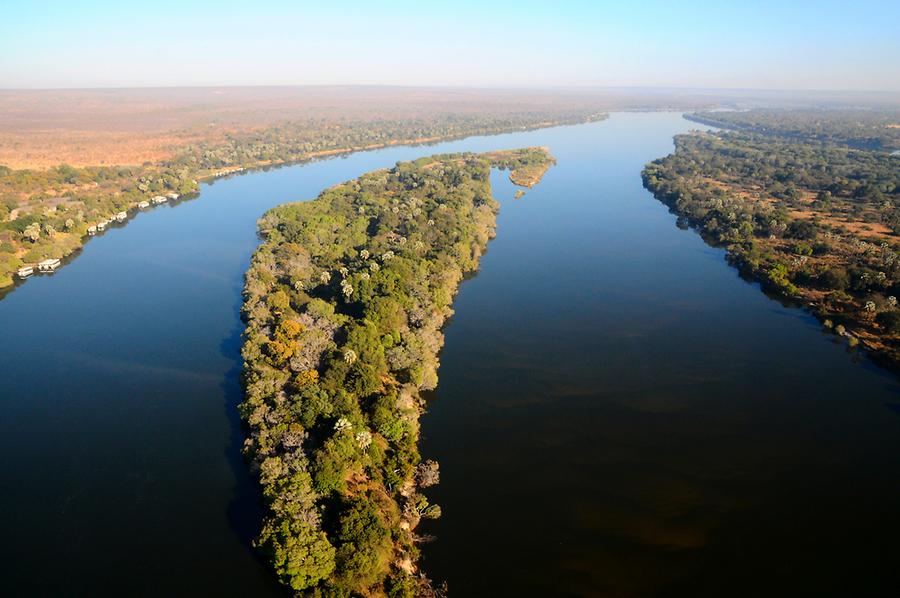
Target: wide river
[618,412]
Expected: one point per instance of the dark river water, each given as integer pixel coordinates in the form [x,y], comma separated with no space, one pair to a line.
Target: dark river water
[618,414]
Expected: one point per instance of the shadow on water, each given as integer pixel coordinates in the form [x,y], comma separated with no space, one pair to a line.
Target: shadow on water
[245,510]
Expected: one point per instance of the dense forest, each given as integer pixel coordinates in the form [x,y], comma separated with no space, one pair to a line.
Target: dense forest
[818,221]
[49,213]
[871,129]
[344,304]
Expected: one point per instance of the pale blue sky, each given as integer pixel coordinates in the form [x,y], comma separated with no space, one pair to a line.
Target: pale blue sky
[784,44]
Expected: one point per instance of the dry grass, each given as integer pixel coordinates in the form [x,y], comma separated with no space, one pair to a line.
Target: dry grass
[45,149]
[40,129]
[43,128]
[871,231]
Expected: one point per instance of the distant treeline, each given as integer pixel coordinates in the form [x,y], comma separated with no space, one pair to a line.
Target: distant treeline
[291,142]
[877,130]
[344,304]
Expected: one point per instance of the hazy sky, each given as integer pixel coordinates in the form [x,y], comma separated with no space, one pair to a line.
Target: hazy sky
[800,44]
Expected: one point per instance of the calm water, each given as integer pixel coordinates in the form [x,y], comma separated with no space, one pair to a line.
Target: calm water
[618,413]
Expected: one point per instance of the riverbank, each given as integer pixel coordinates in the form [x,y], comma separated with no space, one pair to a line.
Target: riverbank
[51,214]
[345,302]
[813,223]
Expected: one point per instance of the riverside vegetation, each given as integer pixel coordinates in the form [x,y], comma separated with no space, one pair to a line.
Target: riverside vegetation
[344,303]
[807,203]
[48,213]
[866,129]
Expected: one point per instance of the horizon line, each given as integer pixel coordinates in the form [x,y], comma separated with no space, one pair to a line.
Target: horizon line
[582,88]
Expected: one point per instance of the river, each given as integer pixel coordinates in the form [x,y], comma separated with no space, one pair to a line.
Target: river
[618,413]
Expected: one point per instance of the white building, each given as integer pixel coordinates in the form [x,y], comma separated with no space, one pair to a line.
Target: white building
[48,265]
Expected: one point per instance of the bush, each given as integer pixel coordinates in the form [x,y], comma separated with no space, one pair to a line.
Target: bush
[802,229]
[835,278]
[890,321]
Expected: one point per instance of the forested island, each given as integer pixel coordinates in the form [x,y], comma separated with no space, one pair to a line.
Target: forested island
[51,213]
[807,203]
[344,303]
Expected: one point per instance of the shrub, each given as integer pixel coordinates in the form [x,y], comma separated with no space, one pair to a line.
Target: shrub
[802,229]
[835,278]
[890,321]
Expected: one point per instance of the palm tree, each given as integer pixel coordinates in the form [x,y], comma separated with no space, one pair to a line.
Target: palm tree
[33,232]
[364,439]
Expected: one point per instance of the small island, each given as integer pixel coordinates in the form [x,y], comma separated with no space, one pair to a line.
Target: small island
[344,304]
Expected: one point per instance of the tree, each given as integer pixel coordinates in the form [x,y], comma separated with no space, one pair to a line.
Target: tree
[835,278]
[428,474]
[890,321]
[802,229]
[302,555]
[33,232]
[364,543]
